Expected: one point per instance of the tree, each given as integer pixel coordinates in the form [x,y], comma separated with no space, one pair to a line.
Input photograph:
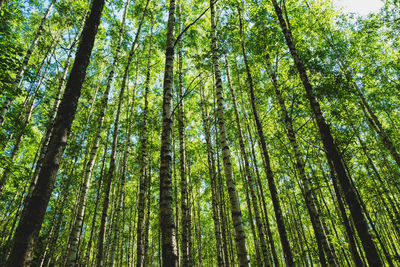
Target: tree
[34,211]
[167,225]
[230,183]
[332,152]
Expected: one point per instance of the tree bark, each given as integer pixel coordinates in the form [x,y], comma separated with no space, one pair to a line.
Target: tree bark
[247,171]
[186,223]
[169,249]
[143,177]
[251,218]
[147,220]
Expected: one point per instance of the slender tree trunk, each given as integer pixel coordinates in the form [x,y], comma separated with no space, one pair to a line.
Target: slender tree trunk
[129,115]
[110,223]
[271,183]
[332,151]
[8,101]
[251,218]
[100,183]
[261,192]
[117,225]
[186,224]
[108,183]
[33,213]
[169,249]
[190,213]
[240,237]
[200,258]
[213,180]
[175,193]
[143,167]
[227,247]
[351,238]
[147,220]
[259,183]
[123,243]
[248,173]
[301,225]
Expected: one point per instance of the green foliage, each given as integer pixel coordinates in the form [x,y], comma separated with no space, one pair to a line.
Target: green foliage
[328,42]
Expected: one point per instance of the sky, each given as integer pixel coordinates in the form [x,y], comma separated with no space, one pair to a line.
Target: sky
[362,7]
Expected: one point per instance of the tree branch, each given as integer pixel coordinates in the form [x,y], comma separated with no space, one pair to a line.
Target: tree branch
[191,24]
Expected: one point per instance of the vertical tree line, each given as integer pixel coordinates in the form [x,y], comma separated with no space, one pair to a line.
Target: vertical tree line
[198,133]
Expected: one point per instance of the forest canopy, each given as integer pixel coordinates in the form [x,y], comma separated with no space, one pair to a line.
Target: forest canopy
[199,133]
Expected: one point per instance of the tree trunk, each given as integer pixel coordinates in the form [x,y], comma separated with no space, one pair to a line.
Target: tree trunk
[259,183]
[108,183]
[33,213]
[247,172]
[331,149]
[100,183]
[186,224]
[200,258]
[117,225]
[147,220]
[240,237]
[226,232]
[251,219]
[143,178]
[169,250]
[213,180]
[177,208]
